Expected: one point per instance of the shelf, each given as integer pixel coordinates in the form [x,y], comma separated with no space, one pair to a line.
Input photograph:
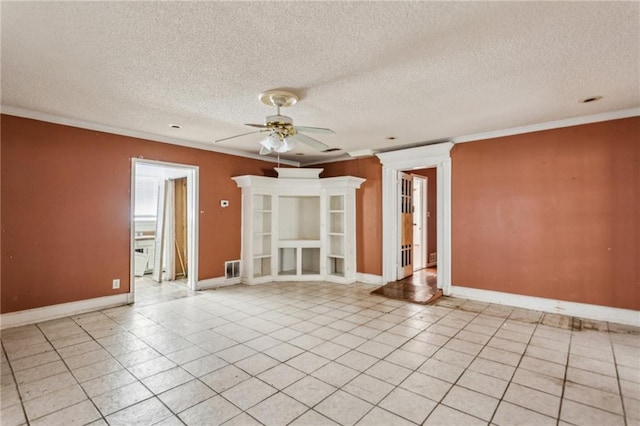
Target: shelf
[298,243]
[336,266]
[262,211]
[264,234]
[261,266]
[335,256]
[337,234]
[261,256]
[336,211]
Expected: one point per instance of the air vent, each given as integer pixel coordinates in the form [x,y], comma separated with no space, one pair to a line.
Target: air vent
[232,269]
[332,150]
[433,257]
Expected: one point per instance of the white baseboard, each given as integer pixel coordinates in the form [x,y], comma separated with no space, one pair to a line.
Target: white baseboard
[217,282]
[47,313]
[369,278]
[581,310]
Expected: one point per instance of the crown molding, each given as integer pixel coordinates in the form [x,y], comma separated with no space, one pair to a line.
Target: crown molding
[567,122]
[50,118]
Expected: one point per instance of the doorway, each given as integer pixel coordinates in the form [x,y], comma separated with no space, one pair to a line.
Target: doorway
[417,277]
[163,229]
[394,163]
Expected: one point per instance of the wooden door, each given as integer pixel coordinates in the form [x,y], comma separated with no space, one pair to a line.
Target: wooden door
[405,263]
[180,226]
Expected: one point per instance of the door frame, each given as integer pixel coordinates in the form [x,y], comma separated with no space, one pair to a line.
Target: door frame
[394,162]
[192,174]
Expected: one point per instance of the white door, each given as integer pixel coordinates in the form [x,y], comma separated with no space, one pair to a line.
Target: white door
[156,275]
[419,222]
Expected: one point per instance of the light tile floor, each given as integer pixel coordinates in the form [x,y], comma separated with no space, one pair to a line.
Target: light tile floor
[319,354]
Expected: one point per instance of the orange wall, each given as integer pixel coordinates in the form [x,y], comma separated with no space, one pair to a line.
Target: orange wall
[66,201]
[368,209]
[553,214]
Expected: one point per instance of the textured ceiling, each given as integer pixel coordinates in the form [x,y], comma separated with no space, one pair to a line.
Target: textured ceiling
[417,71]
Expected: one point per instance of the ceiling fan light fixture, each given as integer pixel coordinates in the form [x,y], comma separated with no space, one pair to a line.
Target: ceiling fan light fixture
[287,145]
[271,142]
[283,135]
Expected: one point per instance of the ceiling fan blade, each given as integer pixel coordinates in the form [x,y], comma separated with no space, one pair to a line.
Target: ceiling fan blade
[260,126]
[307,129]
[313,143]
[237,136]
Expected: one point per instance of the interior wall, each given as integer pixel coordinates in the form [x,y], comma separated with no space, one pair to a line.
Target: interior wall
[368,209]
[432,206]
[66,209]
[553,214]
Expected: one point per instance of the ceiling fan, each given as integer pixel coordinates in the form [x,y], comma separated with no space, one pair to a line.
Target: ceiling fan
[282,134]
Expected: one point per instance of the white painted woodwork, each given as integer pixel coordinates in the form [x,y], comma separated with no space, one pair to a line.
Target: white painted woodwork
[393,163]
[298,227]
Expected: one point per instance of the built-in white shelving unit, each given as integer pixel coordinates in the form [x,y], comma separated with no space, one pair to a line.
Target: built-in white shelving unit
[298,227]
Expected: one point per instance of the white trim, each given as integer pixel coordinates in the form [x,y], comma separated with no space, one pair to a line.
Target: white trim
[581,310]
[47,313]
[211,283]
[50,118]
[416,158]
[567,122]
[362,153]
[393,163]
[369,278]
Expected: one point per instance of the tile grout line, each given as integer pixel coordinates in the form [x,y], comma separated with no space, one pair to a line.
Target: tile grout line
[69,369]
[615,363]
[467,367]
[360,373]
[564,381]
[15,384]
[153,394]
[515,370]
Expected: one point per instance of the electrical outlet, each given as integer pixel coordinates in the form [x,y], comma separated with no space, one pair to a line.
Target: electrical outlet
[116,283]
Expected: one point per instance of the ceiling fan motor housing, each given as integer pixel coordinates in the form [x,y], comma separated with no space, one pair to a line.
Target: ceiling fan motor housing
[281,124]
[278,119]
